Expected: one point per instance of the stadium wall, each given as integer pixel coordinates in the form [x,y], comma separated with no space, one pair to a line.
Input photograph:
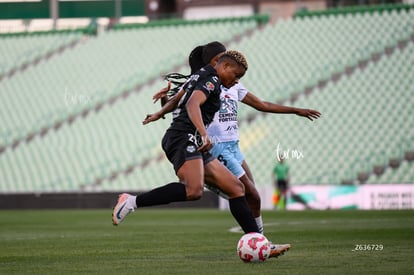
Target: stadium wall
[70,9]
[87,200]
[326,197]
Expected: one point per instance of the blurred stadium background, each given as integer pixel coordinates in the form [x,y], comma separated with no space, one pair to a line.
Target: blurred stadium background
[77,77]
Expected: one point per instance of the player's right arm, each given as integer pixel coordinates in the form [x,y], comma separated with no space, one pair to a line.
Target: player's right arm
[269,107]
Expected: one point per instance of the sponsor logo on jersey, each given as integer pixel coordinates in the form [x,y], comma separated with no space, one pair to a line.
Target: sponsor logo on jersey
[228,109]
[209,86]
[232,127]
[191,148]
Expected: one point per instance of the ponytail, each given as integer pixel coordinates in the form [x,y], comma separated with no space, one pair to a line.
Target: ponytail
[195,59]
[196,63]
[199,57]
[174,78]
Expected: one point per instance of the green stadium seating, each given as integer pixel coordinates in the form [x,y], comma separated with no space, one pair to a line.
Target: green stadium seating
[366,113]
[402,174]
[111,138]
[98,69]
[19,50]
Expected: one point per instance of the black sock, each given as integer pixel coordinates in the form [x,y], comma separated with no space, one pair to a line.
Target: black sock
[243,215]
[171,192]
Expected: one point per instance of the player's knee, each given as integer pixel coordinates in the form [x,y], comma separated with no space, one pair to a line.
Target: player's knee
[237,190]
[194,192]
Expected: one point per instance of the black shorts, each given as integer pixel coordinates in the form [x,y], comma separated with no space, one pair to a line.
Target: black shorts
[179,148]
[282,185]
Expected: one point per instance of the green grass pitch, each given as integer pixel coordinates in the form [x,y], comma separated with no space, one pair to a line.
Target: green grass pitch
[198,241]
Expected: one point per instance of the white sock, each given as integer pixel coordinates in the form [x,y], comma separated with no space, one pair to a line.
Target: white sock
[259,223]
[132,200]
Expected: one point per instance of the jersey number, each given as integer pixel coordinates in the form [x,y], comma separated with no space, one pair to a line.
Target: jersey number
[222,160]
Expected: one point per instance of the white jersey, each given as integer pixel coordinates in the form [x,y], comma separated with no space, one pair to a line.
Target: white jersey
[224,126]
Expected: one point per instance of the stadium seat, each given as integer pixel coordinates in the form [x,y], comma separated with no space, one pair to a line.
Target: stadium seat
[365,113]
[100,68]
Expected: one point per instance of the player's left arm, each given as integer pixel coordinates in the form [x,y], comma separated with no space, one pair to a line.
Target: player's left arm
[168,107]
[197,98]
[269,107]
[162,94]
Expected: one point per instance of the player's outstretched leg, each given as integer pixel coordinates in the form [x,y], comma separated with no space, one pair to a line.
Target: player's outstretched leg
[189,173]
[124,206]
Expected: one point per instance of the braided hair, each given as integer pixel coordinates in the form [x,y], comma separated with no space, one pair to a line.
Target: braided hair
[199,57]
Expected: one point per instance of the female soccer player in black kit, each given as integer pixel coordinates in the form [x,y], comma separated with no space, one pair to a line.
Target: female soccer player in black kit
[186,145]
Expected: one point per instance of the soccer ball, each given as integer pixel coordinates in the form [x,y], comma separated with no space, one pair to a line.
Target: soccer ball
[253,247]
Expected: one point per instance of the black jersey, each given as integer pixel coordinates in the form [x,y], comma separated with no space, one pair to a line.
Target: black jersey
[207,81]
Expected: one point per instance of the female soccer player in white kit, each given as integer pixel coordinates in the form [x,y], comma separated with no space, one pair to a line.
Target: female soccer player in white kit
[224,132]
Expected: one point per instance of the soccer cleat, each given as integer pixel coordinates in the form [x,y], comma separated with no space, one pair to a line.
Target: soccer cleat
[121,209]
[277,250]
